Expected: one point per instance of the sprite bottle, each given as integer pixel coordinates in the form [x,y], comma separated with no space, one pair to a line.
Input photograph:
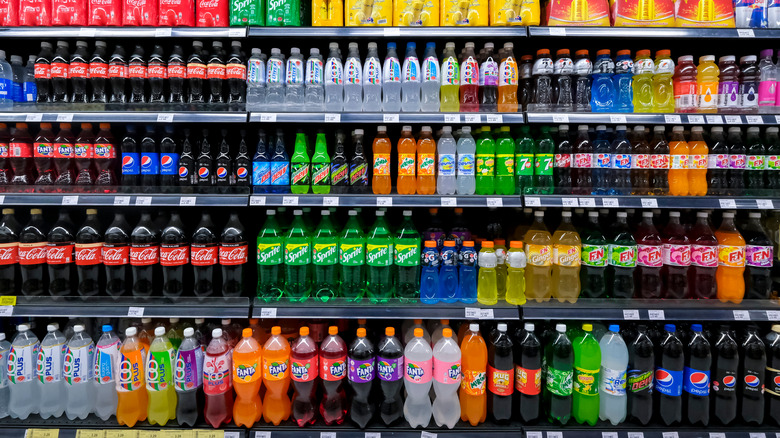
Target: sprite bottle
[407,259]
[544,153]
[301,166]
[524,162]
[297,260]
[559,361]
[379,258]
[320,166]
[269,259]
[486,163]
[587,365]
[352,259]
[325,257]
[505,163]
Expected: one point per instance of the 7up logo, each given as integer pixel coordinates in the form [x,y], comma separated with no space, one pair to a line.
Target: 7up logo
[269,253]
[379,255]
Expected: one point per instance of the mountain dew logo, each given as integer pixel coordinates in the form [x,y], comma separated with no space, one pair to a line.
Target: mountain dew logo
[325,254]
[246,372]
[379,255]
[321,173]
[407,255]
[269,253]
[300,174]
[297,253]
[351,254]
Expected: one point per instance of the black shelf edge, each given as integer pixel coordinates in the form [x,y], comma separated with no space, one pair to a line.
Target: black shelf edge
[108,307]
[652,119]
[389,32]
[342,200]
[386,118]
[650,32]
[640,201]
[120,199]
[142,115]
[123,32]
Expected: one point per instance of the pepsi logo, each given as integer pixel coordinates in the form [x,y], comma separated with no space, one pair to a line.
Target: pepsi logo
[729,381]
[127,161]
[221,172]
[663,377]
[752,381]
[242,172]
[699,379]
[776,380]
[166,160]
[203,172]
[183,171]
[146,161]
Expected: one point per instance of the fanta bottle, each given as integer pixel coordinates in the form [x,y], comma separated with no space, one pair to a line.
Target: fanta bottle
[707,84]
[276,375]
[508,79]
[407,164]
[217,385]
[380,182]
[304,370]
[566,261]
[538,249]
[697,163]
[159,379]
[247,379]
[731,261]
[678,173]
[333,371]
[473,399]
[131,381]
[426,162]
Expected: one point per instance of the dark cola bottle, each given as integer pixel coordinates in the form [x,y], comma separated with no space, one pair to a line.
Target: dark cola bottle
[177,73]
[235,72]
[78,72]
[144,255]
[5,140]
[639,377]
[224,164]
[157,72]
[205,162]
[117,75]
[9,253]
[752,369]
[358,166]
[131,159]
[500,379]
[20,151]
[772,375]
[196,73]
[724,380]
[59,256]
[205,253]
[669,377]
[43,73]
[32,254]
[59,73]
[233,256]
[528,375]
[137,73]
[174,256]
[186,162]
[89,243]
[116,256]
[696,382]
[216,74]
[242,164]
[98,73]
[150,160]
[169,159]
[339,167]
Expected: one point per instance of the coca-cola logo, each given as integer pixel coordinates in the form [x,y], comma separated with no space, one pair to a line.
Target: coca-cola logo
[89,255]
[42,71]
[236,72]
[32,255]
[56,255]
[233,255]
[174,256]
[170,3]
[98,70]
[59,71]
[9,254]
[136,3]
[117,71]
[116,255]
[213,4]
[78,70]
[101,2]
[204,256]
[156,71]
[137,71]
[144,256]
[216,71]
[177,71]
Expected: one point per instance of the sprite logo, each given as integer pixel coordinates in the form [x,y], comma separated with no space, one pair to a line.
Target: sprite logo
[297,253]
[351,254]
[269,253]
[407,255]
[378,255]
[325,254]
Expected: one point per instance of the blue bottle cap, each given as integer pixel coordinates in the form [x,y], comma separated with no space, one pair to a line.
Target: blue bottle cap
[432,45]
[696,327]
[614,328]
[411,45]
[391,45]
[670,328]
[107,328]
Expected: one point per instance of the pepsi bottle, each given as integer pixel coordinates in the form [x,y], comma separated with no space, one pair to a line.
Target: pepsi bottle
[131,160]
[696,382]
[205,162]
[150,161]
[724,381]
[242,163]
[169,159]
[224,163]
[669,377]
[639,377]
[772,374]
[752,388]
[186,162]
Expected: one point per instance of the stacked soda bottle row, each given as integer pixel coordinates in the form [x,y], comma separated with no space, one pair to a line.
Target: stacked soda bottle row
[152,258]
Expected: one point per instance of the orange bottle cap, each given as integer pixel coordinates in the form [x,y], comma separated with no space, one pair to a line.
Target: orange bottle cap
[603,52]
[430,244]
[418,332]
[642,53]
[487,244]
[333,330]
[247,333]
[304,331]
[468,243]
[390,331]
[663,53]
[562,52]
[581,52]
[449,243]
[515,244]
[624,52]
[447,333]
[361,332]
[542,52]
[526,58]
[276,330]
[500,242]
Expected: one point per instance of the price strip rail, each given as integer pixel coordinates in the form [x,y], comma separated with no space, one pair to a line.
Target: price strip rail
[123,32]
[123,200]
[629,430]
[382,32]
[142,115]
[386,118]
[336,200]
[154,307]
[654,119]
[628,32]
[639,201]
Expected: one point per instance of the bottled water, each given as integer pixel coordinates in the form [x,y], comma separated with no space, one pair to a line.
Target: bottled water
[25,389]
[334,80]
[353,81]
[6,83]
[78,373]
[372,81]
[418,363]
[466,148]
[275,77]
[391,78]
[17,70]
[315,95]
[612,387]
[29,88]
[445,183]
[106,367]
[52,404]
[5,392]
[255,81]
[410,88]
[293,82]
[446,380]
[430,80]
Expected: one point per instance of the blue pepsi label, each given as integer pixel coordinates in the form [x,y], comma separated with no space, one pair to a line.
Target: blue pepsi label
[150,163]
[131,163]
[280,173]
[169,164]
[669,382]
[30,91]
[697,382]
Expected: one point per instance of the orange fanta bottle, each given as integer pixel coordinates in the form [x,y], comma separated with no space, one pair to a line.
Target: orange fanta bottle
[276,374]
[407,164]
[731,261]
[131,383]
[247,379]
[678,173]
[473,386]
[697,165]
[426,162]
[381,180]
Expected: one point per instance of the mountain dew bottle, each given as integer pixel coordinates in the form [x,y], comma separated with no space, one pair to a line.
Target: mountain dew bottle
[505,163]
[407,259]
[300,165]
[269,259]
[379,258]
[159,379]
[320,166]
[325,256]
[297,260]
[352,259]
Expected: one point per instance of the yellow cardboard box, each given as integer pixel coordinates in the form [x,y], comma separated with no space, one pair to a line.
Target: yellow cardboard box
[464,13]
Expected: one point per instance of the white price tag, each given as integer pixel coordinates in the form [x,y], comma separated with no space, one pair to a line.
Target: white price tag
[649,203]
[6,310]
[486,314]
[670,435]
[587,202]
[746,33]
[534,434]
[636,435]
[765,204]
[452,118]
[332,118]
[495,202]
[35,117]
[733,120]
[727,203]
[472,118]
[373,435]
[656,314]
[449,202]
[711,120]
[533,201]
[65,117]
[327,434]
[290,200]
[268,117]
[717,435]
[617,118]
[263,434]
[384,202]
[630,314]
[235,434]
[2,199]
[162,32]
[70,200]
[424,434]
[560,118]
[472,313]
[257,200]
[697,120]
[238,32]
[741,315]
[121,200]
[164,118]
[330,201]
[609,435]
[86,32]
[777,119]
[754,120]
[135,312]
[143,200]
[773,315]
[570,202]
[495,118]
[610,202]
[672,118]
[390,118]
[757,435]
[557,31]
[556,434]
[268,312]
[187,201]
[392,31]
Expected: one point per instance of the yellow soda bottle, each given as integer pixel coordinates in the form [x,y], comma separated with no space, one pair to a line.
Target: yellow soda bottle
[450,81]
[159,379]
[663,91]
[566,261]
[643,82]
[707,84]
[487,290]
[538,251]
[500,247]
[515,274]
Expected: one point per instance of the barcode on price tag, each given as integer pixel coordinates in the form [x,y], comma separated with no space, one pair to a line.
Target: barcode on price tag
[268,117]
[741,315]
[712,120]
[570,202]
[733,120]
[65,117]
[6,310]
[636,435]
[617,118]
[495,202]
[560,118]
[533,201]
[610,202]
[330,201]
[727,203]
[556,434]
[773,315]
[332,118]
[765,204]
[135,312]
[452,118]
[290,200]
[746,33]
[672,118]
[121,200]
[237,32]
[587,202]
[472,118]
[327,434]
[472,313]
[373,435]
[698,120]
[390,118]
[263,434]
[649,203]
[257,200]
[268,312]
[187,200]
[495,118]
[449,202]
[70,200]
[630,314]
[427,435]
[384,202]
[143,200]
[656,314]
[754,120]
[36,117]
[164,118]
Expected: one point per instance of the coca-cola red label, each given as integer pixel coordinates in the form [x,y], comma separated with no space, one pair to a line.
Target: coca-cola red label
[137,71]
[203,255]
[104,151]
[59,70]
[88,254]
[196,71]
[20,150]
[32,253]
[177,71]
[9,253]
[117,71]
[98,70]
[174,255]
[59,253]
[233,253]
[144,255]
[157,72]
[63,150]
[42,71]
[78,70]
[212,13]
[84,150]
[235,71]
[115,255]
[216,71]
[105,13]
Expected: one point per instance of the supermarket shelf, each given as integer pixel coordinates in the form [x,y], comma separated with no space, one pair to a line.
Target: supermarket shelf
[604,429]
[684,202]
[117,199]
[389,32]
[390,310]
[155,307]
[645,32]
[122,32]
[614,309]
[140,116]
[335,200]
[316,117]
[653,119]
[93,427]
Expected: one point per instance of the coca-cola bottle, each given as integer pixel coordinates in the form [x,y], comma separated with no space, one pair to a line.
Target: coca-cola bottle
[235,72]
[9,253]
[83,153]
[105,156]
[117,74]
[98,72]
[59,256]
[196,73]
[32,254]
[44,154]
[136,71]
[233,250]
[205,163]
[5,140]
[20,153]
[78,72]
[224,163]
[63,155]
[177,73]
[89,245]
[144,255]
[174,256]
[216,73]
[116,256]
[186,162]
[205,250]
[59,73]
[43,73]
[157,72]
[242,164]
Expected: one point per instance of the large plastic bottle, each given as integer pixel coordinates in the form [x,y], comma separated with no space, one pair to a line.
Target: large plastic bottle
[379,258]
[6,83]
[217,381]
[361,371]
[559,360]
[391,78]
[677,258]
[353,79]
[643,82]
[297,260]
[406,183]
[159,379]
[447,378]
[418,363]
[450,80]
[473,387]
[255,81]
[649,258]
[612,384]
[431,80]
[486,163]
[594,259]
[333,371]
[603,93]
[731,261]
[106,366]
[406,257]
[541,98]
[188,378]
[426,162]
[680,161]
[539,254]
[276,376]
[448,273]
[334,80]
[469,80]
[352,259]
[411,80]
[325,258]
[467,273]
[686,95]
[131,387]
[487,288]
[466,159]
[767,87]
[5,391]
[587,367]
[707,84]
[372,81]
[567,245]
[515,278]
[749,79]
[78,373]
[759,256]
[294,81]
[50,359]
[390,371]
[304,370]
[500,378]
[447,164]
[274,97]
[622,259]
[624,97]
[247,379]
[314,95]
[663,89]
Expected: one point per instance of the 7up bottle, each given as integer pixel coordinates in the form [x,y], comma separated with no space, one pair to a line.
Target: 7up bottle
[325,256]
[379,258]
[352,259]
[543,162]
[297,259]
[301,166]
[407,259]
[269,259]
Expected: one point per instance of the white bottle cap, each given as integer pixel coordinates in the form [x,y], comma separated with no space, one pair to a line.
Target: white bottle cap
[380,213]
[529,327]
[474,327]
[2,336]
[189,331]
[227,321]
[325,213]
[501,327]
[728,215]
[51,328]
[200,320]
[702,214]
[593,214]
[146,320]
[131,331]
[216,333]
[159,331]
[674,214]
[174,320]
[560,328]
[754,215]
[408,213]
[270,212]
[78,328]
[295,213]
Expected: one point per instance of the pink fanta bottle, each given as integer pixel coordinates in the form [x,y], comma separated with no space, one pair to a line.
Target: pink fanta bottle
[677,258]
[647,275]
[704,259]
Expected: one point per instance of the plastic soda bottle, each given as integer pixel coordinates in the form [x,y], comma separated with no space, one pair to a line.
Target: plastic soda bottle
[407,162]
[508,80]
[247,379]
[217,382]
[78,375]
[680,161]
[524,162]
[487,288]
[515,278]
[704,259]
[612,382]
[334,79]
[446,380]
[276,375]
[361,371]
[390,370]
[131,386]
[731,261]
[544,158]
[325,255]
[304,370]
[426,162]
[587,365]
[500,376]
[559,358]
[566,261]
[473,386]
[446,149]
[430,80]
[448,274]
[677,258]
[467,273]
[663,88]
[159,379]
[372,81]
[505,163]
[320,166]
[379,258]
[407,250]
[728,85]
[594,259]
[624,67]
[603,94]
[707,84]
[49,368]
[466,150]
[381,182]
[353,79]
[450,80]
[469,80]
[539,254]
[418,363]
[5,391]
[300,166]
[411,79]
[486,163]
[686,96]
[759,255]
[333,371]
[643,82]
[697,163]
[622,259]
[106,366]
[391,87]
[297,260]
[749,82]
[650,259]
[352,259]
[270,254]
[188,378]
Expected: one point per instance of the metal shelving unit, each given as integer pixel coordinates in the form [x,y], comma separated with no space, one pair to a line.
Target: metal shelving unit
[387,118]
[637,201]
[645,32]
[120,199]
[336,200]
[390,310]
[653,119]
[136,307]
[139,116]
[388,32]
[123,32]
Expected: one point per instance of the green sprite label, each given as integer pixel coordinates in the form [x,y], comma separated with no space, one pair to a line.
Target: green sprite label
[407,254]
[379,255]
[320,174]
[300,174]
[297,253]
[586,382]
[505,164]
[525,164]
[325,253]
[623,256]
[543,164]
[269,253]
[352,254]
[559,382]
[486,164]
[594,255]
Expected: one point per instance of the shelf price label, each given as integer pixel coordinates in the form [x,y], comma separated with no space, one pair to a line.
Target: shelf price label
[143,200]
[472,313]
[670,118]
[236,32]
[268,312]
[70,200]
[557,31]
[670,435]
[587,202]
[188,201]
[615,118]
[570,202]
[257,200]
[449,202]
[6,310]
[649,203]
[42,433]
[717,435]
[560,118]
[554,434]
[630,314]
[65,117]
[754,120]
[327,434]
[757,435]
[8,300]
[697,120]
[609,435]
[373,435]
[727,203]
[733,120]
[765,204]
[330,201]
[162,32]
[90,433]
[610,202]
[164,118]
[495,118]
[741,315]
[290,200]
[656,314]
[392,32]
[533,201]
[771,315]
[533,434]
[452,118]
[135,312]
[268,117]
[486,314]
[746,33]
[121,200]
[711,120]
[262,434]
[177,433]
[384,201]
[495,202]
[636,435]
[332,118]
[34,117]
[124,433]
[473,118]
[425,434]
[390,118]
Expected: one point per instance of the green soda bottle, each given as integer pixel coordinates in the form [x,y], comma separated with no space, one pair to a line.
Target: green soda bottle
[594,259]
[486,163]
[325,257]
[300,165]
[543,162]
[407,259]
[283,13]
[379,258]
[247,13]
[559,361]
[505,163]
[352,259]
[524,162]
[320,166]
[175,333]
[587,364]
[269,259]
[159,379]
[297,260]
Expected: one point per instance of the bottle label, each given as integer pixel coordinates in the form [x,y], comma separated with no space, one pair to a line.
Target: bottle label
[9,253]
[360,371]
[269,253]
[696,162]
[583,161]
[539,255]
[159,370]
[108,151]
[621,161]
[613,382]
[488,73]
[372,72]
[724,381]
[659,161]
[325,253]
[43,150]
[42,71]
[697,382]
[87,151]
[474,382]
[766,93]
[622,256]
[406,164]
[59,253]
[118,71]
[381,164]
[586,382]
[159,71]
[144,255]
[115,255]
[450,72]
[708,95]
[507,73]
[390,370]
[469,72]
[407,254]
[465,164]
[280,173]
[430,69]
[749,95]
[759,256]
[391,71]
[562,161]
[500,382]
[21,150]
[353,71]
[352,254]
[275,71]
[32,253]
[297,254]
[446,372]
[426,165]
[177,70]
[717,161]
[131,163]
[446,164]
[755,162]
[677,255]
[566,255]
[641,161]
[680,161]
[731,256]
[88,254]
[728,94]
[334,72]
[275,370]
[78,70]
[704,255]
[486,164]
[203,254]
[559,382]
[358,174]
[261,173]
[304,370]
[49,366]
[603,161]
[594,255]
[333,369]
[528,382]
[77,364]
[175,254]
[650,255]
[21,365]
[639,380]
[232,254]
[737,162]
[411,69]
[379,255]
[188,372]
[321,174]
[4,150]
[294,73]
[106,357]
[314,74]
[685,94]
[449,257]
[300,174]
[525,164]
[131,371]
[246,370]
[543,164]
[772,162]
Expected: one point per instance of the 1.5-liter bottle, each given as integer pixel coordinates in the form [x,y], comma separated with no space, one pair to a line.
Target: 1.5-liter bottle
[78,374]
[594,259]
[217,381]
[247,379]
[411,80]
[334,80]
[508,80]
[505,163]
[325,257]
[49,366]
[159,379]
[772,341]
[390,370]
[304,370]
[725,365]
[333,371]
[731,261]
[188,379]
[361,366]
[391,81]
[106,366]
[612,383]
[379,258]
[450,80]
[559,373]
[372,81]
[669,377]
[587,366]
[677,258]
[314,93]
[647,275]
[539,251]
[406,258]
[131,387]
[704,259]
[753,366]
[639,379]
[487,288]
[565,284]
[527,355]
[473,386]
[446,380]
[276,376]
[352,259]
[469,80]
[515,277]
[759,254]
[500,376]
[25,392]
[696,378]
[297,260]
[5,391]
[430,78]
[486,163]
[622,259]
[418,364]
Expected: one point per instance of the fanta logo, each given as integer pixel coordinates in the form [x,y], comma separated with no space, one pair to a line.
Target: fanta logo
[246,372]
[730,381]
[337,369]
[386,369]
[277,369]
[454,372]
[221,172]
[365,371]
[752,381]
[414,371]
[700,380]
[300,371]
